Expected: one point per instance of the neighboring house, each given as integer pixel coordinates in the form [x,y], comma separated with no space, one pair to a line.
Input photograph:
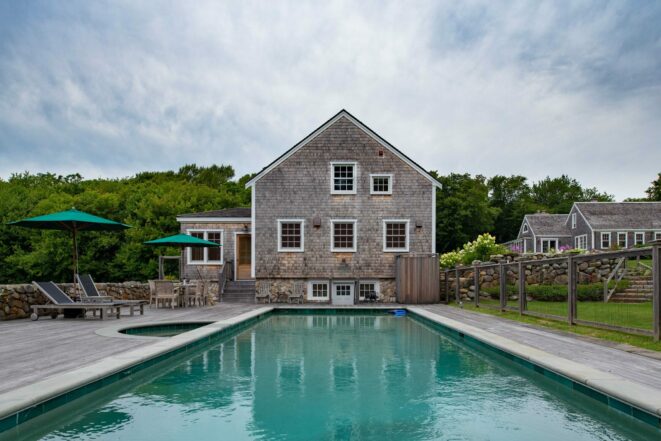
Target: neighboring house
[332,212]
[591,225]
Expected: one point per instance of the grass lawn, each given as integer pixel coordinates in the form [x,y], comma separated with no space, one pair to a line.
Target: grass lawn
[631,263]
[614,336]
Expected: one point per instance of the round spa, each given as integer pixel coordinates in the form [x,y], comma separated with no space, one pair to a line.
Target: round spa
[162,329]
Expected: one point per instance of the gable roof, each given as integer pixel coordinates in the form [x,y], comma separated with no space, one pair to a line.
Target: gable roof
[621,215]
[239,212]
[360,125]
[544,224]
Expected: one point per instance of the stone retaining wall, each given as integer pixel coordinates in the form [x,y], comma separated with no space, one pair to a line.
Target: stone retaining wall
[15,300]
[551,273]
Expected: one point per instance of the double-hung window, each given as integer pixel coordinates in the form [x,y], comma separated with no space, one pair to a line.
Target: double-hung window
[291,235]
[622,239]
[605,240]
[343,177]
[639,238]
[318,290]
[396,235]
[657,235]
[368,290]
[343,235]
[207,255]
[381,184]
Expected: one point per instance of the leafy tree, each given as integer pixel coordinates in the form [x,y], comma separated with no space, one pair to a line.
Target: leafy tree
[511,195]
[654,191]
[462,210]
[556,195]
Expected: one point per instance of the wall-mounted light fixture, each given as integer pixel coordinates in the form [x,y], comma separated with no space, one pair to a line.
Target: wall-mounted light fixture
[245,228]
[418,224]
[316,222]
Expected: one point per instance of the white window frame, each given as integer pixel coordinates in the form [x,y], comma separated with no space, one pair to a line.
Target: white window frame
[206,261]
[381,175]
[408,235]
[657,235]
[626,238]
[332,235]
[525,228]
[291,221]
[635,237]
[319,282]
[573,220]
[377,288]
[549,239]
[354,164]
[582,238]
[602,235]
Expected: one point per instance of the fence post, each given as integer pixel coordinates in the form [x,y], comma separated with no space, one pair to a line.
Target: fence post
[522,288]
[502,286]
[571,290]
[656,280]
[447,287]
[476,282]
[457,289]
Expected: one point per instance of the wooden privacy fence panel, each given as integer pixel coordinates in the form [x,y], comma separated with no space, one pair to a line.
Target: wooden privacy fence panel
[418,278]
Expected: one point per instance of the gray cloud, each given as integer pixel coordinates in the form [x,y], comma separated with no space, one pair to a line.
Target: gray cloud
[109,89]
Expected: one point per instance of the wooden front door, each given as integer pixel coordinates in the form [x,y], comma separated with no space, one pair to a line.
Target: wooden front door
[243,256]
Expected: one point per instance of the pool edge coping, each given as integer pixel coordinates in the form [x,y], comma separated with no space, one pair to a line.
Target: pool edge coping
[611,385]
[24,398]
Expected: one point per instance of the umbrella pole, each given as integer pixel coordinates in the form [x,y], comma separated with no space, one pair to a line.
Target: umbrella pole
[75,258]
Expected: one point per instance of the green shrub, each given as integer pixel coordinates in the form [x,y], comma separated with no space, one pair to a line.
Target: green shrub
[589,292]
[480,249]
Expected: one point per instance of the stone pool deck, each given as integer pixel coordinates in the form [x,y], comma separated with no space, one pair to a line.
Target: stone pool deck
[34,351]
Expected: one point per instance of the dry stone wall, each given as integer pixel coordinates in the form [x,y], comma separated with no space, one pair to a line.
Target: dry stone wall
[16,300]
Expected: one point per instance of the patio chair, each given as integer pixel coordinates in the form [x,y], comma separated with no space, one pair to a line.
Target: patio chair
[298,293]
[61,301]
[164,292]
[152,291]
[195,293]
[90,293]
[264,292]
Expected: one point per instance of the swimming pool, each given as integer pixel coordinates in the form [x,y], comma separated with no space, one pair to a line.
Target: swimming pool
[308,377]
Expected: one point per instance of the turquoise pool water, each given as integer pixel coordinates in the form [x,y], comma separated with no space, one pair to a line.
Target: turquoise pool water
[341,377]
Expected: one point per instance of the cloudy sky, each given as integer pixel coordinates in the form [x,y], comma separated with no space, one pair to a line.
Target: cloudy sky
[532,88]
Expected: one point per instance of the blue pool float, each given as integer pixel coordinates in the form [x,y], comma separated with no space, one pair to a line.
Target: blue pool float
[398,312]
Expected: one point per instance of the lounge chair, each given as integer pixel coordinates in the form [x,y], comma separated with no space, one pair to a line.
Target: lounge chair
[61,301]
[298,293]
[264,292]
[90,293]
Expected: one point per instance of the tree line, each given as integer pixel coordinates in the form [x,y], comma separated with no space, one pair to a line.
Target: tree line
[467,206]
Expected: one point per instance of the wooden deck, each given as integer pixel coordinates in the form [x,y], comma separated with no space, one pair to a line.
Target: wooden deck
[35,350]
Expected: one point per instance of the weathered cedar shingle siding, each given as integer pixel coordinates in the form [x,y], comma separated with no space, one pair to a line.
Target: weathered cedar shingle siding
[300,187]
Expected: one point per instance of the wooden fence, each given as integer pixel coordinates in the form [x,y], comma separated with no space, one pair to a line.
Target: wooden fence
[417,278]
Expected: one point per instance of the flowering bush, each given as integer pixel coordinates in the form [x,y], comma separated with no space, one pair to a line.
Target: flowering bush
[481,249]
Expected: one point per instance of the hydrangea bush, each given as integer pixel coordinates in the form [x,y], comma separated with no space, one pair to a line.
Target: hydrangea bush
[481,249]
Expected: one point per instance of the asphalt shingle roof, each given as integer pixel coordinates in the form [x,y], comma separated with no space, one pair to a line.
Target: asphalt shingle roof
[227,212]
[621,215]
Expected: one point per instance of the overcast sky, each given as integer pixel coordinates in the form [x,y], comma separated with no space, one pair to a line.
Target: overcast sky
[532,88]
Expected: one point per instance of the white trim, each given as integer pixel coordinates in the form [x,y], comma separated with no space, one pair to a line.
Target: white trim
[525,228]
[626,238]
[355,235]
[291,221]
[656,233]
[253,257]
[548,239]
[353,164]
[377,287]
[361,126]
[381,175]
[408,234]
[350,283]
[577,239]
[319,282]
[601,240]
[205,251]
[236,254]
[433,220]
[630,230]
[226,220]
[573,221]
[636,233]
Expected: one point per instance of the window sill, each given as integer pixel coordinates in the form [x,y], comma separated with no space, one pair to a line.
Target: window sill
[291,250]
[211,262]
[351,250]
[396,250]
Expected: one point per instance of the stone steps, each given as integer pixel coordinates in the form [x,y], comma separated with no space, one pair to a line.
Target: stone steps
[239,292]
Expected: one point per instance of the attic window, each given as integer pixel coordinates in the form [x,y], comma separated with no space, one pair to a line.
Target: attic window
[573,220]
[381,184]
[525,228]
[343,178]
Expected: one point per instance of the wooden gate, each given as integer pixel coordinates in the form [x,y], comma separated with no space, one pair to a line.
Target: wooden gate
[417,278]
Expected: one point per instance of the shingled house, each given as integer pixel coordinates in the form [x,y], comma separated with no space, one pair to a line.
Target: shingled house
[591,225]
[332,212]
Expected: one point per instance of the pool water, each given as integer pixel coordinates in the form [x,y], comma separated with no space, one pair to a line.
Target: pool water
[325,377]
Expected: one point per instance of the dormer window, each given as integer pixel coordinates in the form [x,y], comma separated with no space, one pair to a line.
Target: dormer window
[343,178]
[381,184]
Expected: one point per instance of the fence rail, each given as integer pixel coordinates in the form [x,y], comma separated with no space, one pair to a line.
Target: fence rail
[587,293]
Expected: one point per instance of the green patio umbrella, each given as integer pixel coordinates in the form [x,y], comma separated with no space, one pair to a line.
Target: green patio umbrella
[182,241]
[72,221]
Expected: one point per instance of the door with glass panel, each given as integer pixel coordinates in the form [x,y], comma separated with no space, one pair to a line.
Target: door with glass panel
[343,293]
